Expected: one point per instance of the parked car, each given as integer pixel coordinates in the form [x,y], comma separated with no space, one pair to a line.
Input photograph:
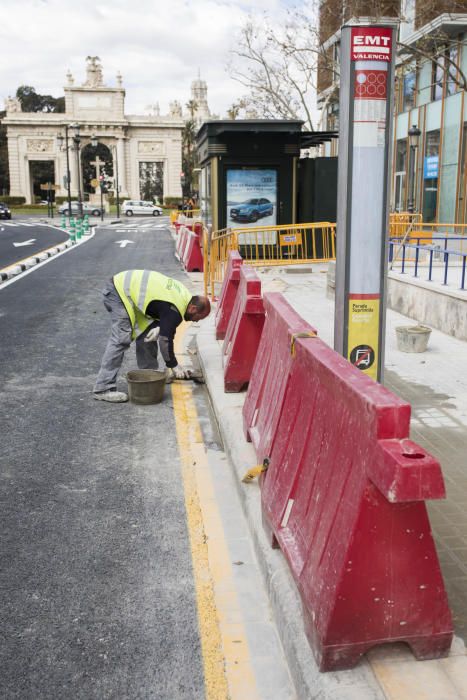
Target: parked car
[5,212]
[252,210]
[138,206]
[87,209]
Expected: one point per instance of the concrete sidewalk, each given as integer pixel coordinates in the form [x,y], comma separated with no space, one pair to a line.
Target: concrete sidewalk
[435,383]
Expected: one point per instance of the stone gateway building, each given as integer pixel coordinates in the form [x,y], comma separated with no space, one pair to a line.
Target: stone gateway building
[144,151]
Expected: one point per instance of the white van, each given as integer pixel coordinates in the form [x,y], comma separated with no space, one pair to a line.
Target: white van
[135,206]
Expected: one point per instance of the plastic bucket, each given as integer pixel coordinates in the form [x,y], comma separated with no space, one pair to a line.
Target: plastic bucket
[412,338]
[146,386]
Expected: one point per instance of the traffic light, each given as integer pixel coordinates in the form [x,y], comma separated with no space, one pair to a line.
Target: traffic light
[103,184]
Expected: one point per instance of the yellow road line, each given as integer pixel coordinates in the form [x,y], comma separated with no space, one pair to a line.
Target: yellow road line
[227,665]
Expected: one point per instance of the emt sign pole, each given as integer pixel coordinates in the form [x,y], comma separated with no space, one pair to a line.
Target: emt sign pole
[365,119]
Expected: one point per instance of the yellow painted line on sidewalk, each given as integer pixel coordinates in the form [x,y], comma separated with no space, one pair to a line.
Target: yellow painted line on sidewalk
[228,671]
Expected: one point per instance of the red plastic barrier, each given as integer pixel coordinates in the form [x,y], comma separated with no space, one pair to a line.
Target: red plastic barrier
[344,498]
[177,225]
[243,331]
[193,256]
[270,372]
[228,293]
[182,242]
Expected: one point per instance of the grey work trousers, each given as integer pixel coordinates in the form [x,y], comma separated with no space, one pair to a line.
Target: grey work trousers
[120,340]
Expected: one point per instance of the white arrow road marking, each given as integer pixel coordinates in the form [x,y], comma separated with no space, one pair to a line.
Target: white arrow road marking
[30,242]
[123,244]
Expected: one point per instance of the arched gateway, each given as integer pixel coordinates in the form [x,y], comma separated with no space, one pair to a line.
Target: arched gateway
[144,150]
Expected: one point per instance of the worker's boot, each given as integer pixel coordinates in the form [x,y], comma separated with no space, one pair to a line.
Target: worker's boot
[112,396]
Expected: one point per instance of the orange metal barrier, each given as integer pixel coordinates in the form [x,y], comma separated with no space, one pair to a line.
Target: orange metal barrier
[293,244]
[296,244]
[188,213]
[399,222]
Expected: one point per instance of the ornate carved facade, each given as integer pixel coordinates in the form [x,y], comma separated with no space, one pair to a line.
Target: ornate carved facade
[137,142]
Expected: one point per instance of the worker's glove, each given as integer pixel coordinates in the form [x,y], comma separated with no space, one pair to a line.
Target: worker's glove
[152,335]
[178,372]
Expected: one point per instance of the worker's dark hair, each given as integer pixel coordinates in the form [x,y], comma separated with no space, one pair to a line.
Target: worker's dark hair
[202,303]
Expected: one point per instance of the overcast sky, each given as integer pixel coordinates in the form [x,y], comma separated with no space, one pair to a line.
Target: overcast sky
[157,45]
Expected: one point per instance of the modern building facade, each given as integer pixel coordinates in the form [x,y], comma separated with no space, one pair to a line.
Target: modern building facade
[429,166]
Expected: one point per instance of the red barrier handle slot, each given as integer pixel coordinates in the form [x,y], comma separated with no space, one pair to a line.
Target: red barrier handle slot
[404,471]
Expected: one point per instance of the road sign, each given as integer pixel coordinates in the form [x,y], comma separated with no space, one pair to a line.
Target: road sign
[365,109]
[49,186]
[94,182]
[371,44]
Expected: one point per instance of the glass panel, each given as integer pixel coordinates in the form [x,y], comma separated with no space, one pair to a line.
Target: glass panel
[205,194]
[430,175]
[399,200]
[462,218]
[401,156]
[451,70]
[408,98]
[437,77]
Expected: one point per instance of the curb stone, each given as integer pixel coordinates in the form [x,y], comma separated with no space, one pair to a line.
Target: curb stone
[26,264]
[310,684]
[388,672]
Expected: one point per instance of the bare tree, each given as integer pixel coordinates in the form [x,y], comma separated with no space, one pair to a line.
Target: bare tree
[282,66]
[277,66]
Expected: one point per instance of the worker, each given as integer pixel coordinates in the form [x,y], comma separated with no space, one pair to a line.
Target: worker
[157,305]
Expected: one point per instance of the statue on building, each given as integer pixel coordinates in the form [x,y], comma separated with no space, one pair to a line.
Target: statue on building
[175,109]
[70,79]
[119,79]
[154,110]
[12,104]
[93,72]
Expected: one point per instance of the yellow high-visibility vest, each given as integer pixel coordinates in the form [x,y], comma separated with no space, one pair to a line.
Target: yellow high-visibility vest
[137,288]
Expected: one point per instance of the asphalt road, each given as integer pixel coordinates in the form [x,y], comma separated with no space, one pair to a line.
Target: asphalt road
[30,239]
[98,597]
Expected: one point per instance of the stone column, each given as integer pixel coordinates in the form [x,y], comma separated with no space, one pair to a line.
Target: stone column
[14,164]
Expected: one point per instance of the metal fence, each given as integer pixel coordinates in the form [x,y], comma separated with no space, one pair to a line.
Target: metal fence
[400,222]
[178,214]
[293,244]
[439,259]
[414,247]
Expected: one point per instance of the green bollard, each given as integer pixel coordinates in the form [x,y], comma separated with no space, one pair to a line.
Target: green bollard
[63,221]
[79,229]
[72,230]
[86,224]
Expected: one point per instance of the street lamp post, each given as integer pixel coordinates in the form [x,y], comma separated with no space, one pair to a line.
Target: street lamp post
[77,142]
[117,186]
[60,140]
[414,136]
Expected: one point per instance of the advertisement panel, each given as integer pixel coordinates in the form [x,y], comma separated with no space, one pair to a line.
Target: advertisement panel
[251,197]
